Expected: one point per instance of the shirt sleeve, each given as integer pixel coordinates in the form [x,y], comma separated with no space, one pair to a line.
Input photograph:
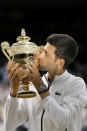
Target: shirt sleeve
[15,113]
[73,102]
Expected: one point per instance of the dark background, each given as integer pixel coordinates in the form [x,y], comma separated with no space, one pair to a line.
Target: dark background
[42,18]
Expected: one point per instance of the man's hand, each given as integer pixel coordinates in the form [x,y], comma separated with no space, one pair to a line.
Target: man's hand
[14,73]
[32,75]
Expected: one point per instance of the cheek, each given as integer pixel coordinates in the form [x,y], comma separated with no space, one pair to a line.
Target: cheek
[42,57]
[50,62]
[45,60]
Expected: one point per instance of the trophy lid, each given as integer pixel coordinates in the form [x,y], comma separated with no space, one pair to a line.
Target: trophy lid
[24,46]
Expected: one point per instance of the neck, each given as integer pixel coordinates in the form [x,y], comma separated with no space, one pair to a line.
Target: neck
[51,75]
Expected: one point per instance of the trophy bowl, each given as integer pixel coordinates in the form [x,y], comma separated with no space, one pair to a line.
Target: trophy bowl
[22,52]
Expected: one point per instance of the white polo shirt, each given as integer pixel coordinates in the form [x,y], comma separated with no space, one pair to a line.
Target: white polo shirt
[61,111]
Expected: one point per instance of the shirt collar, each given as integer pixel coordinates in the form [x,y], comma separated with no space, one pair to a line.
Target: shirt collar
[64,74]
[59,77]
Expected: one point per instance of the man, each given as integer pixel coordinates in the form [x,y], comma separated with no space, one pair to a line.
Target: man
[61,97]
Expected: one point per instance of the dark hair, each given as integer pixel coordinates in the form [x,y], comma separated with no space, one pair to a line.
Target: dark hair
[66,47]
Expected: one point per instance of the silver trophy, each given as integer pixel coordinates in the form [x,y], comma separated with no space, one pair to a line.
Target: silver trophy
[22,52]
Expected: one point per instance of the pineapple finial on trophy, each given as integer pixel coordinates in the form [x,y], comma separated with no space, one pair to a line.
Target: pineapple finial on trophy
[23,36]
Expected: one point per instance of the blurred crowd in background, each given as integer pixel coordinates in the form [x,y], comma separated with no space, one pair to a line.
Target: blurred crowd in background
[76,69]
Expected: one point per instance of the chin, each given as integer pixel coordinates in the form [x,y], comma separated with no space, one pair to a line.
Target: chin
[42,68]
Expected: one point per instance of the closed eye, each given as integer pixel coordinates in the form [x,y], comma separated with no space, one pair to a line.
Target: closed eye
[46,53]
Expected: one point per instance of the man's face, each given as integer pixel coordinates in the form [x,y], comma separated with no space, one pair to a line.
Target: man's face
[47,58]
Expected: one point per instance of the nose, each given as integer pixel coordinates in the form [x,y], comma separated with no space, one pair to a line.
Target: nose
[37,60]
[36,56]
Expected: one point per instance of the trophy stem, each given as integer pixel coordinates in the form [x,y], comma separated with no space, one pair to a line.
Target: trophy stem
[25,87]
[26,93]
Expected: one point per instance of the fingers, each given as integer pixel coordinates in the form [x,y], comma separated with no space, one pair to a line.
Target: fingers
[9,65]
[16,74]
[14,81]
[13,69]
[32,64]
[26,80]
[31,67]
[26,74]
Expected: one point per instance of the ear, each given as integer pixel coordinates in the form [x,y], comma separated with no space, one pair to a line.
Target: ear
[60,62]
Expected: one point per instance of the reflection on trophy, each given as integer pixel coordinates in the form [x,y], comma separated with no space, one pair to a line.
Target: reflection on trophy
[22,52]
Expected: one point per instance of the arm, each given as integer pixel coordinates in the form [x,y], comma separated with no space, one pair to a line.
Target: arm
[15,113]
[73,103]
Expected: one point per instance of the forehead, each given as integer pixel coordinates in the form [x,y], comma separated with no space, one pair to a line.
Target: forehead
[49,48]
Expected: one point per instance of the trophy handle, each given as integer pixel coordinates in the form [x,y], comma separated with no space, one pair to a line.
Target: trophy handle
[4,47]
[4,52]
